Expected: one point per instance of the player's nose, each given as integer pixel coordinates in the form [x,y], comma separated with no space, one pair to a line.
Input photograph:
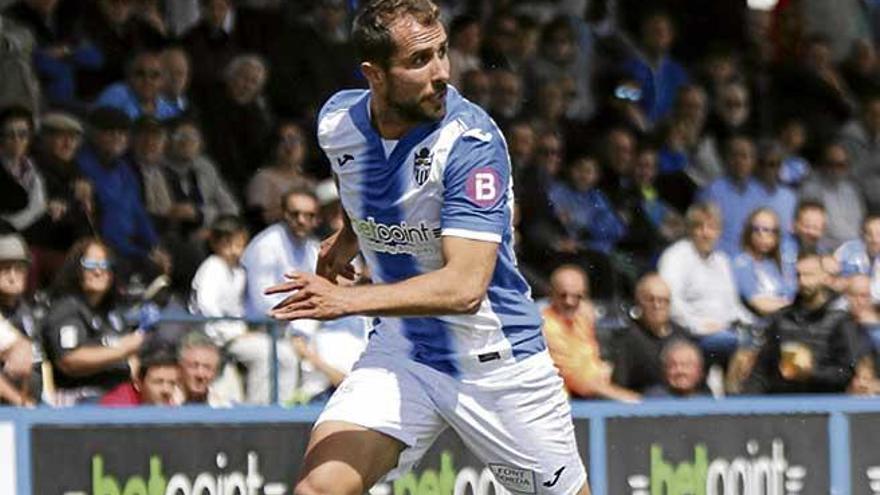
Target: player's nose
[441,70]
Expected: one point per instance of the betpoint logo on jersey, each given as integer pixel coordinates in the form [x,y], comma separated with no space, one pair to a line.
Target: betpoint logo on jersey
[247,482]
[752,475]
[399,238]
[447,481]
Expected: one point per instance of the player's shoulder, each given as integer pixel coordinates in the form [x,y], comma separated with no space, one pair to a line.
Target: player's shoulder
[473,122]
[336,110]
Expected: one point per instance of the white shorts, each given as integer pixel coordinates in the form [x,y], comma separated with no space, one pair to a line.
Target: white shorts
[515,418]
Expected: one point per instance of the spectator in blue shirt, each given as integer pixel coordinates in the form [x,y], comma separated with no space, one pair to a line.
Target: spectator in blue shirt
[657,73]
[736,194]
[766,281]
[584,209]
[124,222]
[141,93]
[808,235]
[780,198]
[862,256]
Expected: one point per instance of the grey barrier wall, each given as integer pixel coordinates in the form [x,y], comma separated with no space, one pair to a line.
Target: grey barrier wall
[803,445]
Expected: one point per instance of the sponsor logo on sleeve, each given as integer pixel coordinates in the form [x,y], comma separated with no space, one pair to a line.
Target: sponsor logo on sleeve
[484,186]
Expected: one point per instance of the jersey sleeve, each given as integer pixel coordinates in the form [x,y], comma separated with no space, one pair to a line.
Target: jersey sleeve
[64,332]
[476,182]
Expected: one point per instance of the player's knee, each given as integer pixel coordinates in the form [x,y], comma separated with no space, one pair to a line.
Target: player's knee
[313,485]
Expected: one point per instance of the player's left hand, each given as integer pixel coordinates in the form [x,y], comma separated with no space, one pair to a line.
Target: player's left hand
[311,297]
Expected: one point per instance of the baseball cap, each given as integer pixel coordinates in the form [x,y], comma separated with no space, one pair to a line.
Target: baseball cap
[13,248]
[61,122]
[109,118]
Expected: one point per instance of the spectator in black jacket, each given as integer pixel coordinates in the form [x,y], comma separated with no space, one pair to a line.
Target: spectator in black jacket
[637,347]
[810,347]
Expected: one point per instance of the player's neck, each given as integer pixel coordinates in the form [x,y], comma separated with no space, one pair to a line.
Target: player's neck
[389,123]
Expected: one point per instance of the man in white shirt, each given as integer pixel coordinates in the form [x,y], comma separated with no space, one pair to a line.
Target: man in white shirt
[704,296]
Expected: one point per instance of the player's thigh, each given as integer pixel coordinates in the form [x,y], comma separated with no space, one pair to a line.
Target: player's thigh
[520,426]
[344,458]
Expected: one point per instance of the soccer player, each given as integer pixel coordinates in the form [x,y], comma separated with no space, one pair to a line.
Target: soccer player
[424,180]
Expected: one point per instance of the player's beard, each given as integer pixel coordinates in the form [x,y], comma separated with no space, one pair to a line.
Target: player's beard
[419,109]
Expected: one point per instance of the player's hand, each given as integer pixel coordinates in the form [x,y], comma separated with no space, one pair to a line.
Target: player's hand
[311,297]
[334,258]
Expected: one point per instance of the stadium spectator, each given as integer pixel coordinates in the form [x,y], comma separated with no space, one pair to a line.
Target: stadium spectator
[732,115]
[808,237]
[287,245]
[24,314]
[861,138]
[200,361]
[618,158]
[218,290]
[637,347]
[141,93]
[863,311]
[506,98]
[569,329]
[833,187]
[736,194]
[809,347]
[792,136]
[521,144]
[60,51]
[124,224]
[284,172]
[70,198]
[149,140]
[682,372]
[704,298]
[658,74]
[118,33]
[476,87]
[19,85]
[860,256]
[18,170]
[155,384]
[860,70]
[237,123]
[465,36]
[86,337]
[500,48]
[766,281]
[178,75]
[778,197]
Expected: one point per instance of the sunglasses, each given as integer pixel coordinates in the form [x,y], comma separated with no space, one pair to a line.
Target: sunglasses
[16,133]
[92,264]
[760,229]
[628,93]
[147,74]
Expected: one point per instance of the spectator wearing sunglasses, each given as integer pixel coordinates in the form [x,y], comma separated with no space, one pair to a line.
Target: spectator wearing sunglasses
[766,281]
[87,339]
[141,92]
[18,174]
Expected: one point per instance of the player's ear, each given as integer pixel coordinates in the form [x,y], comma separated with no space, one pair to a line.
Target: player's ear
[374,73]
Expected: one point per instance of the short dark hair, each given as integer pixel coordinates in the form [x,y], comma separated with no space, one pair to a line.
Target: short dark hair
[162,356]
[370,34]
[16,112]
[226,226]
[808,204]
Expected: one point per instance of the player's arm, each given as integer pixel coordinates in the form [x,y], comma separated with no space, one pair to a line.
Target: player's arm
[338,250]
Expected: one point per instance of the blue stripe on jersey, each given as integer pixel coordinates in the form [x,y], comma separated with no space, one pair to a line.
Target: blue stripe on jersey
[382,185]
[520,322]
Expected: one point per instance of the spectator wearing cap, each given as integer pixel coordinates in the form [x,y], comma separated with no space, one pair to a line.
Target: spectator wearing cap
[156,383]
[284,171]
[18,172]
[20,341]
[833,186]
[70,196]
[124,222]
[238,123]
[141,93]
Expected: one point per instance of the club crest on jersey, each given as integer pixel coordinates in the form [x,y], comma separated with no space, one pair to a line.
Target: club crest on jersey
[422,166]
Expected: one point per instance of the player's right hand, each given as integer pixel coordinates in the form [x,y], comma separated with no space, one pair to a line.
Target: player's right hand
[334,258]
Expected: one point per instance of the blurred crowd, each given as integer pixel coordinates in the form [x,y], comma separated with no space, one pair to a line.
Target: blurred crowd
[697,184]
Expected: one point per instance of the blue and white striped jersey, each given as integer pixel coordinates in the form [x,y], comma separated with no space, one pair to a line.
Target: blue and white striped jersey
[445,178]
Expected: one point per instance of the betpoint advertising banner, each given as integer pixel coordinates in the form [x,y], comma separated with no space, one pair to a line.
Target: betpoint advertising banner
[719,455]
[236,459]
[864,437]
[7,458]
